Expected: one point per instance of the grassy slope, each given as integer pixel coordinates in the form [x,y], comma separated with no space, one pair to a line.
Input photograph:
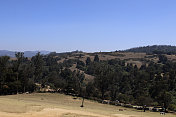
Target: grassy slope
[47,105]
[130,57]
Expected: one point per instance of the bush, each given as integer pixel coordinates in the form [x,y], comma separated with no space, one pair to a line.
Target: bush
[172,107]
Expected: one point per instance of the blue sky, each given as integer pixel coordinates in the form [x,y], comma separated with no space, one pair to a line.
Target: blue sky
[87,25]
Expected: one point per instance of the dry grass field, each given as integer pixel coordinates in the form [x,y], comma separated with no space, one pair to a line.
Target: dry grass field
[130,57]
[58,105]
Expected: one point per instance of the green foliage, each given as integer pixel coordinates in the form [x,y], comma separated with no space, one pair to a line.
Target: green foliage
[144,100]
[151,84]
[80,65]
[155,49]
[165,99]
[88,61]
[172,107]
[96,58]
[38,63]
[162,59]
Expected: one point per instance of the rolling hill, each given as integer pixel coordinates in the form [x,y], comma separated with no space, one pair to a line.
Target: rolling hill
[154,49]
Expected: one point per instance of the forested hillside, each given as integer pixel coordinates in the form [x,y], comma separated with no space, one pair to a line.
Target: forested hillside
[155,49]
[113,77]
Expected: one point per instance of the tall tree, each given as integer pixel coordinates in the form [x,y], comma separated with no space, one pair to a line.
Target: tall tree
[102,79]
[26,72]
[3,71]
[88,61]
[38,63]
[96,58]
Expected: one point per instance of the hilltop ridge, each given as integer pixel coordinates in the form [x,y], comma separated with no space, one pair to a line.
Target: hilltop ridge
[154,49]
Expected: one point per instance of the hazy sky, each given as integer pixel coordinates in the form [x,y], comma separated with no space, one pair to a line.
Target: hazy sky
[87,25]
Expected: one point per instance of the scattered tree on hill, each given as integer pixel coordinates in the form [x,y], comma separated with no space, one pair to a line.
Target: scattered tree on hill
[162,59]
[38,62]
[96,58]
[88,61]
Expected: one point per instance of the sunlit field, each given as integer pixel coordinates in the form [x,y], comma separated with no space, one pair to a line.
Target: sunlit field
[59,105]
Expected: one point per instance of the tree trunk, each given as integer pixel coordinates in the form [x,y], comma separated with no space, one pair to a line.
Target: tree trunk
[82,103]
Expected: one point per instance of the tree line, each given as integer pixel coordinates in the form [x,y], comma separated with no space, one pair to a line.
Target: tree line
[155,49]
[153,84]
[20,75]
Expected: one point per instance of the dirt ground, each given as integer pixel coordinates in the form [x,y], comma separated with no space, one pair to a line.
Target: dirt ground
[56,112]
[58,105]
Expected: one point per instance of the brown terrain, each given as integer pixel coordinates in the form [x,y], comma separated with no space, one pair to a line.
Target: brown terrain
[59,105]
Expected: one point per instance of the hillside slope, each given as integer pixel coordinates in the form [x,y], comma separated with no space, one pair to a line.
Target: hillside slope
[58,105]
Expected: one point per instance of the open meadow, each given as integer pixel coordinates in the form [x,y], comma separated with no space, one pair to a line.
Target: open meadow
[59,105]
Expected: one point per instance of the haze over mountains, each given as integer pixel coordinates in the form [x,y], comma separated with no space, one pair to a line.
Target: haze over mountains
[26,53]
[153,49]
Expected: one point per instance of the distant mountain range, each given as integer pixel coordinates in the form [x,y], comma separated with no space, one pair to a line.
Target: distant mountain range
[26,53]
[154,49]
